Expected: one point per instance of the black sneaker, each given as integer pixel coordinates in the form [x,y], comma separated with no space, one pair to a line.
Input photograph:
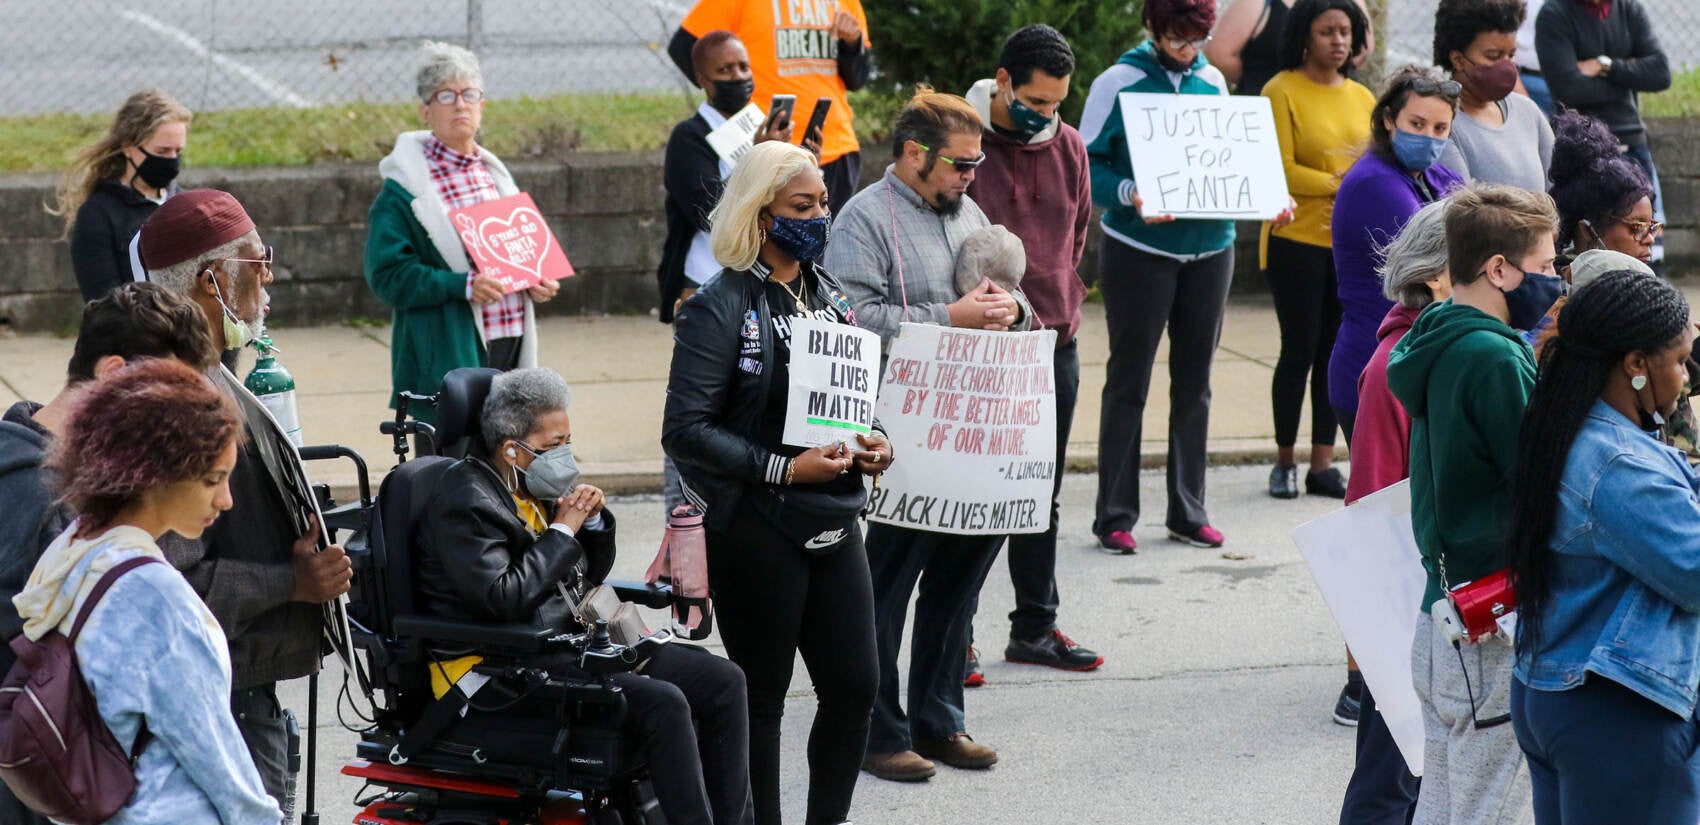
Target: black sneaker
[1284,481]
[1328,483]
[1052,650]
[1348,706]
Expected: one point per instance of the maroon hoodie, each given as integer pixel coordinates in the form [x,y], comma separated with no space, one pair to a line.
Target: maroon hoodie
[1042,192]
[1381,437]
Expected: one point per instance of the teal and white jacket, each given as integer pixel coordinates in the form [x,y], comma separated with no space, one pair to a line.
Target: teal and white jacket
[1113,184]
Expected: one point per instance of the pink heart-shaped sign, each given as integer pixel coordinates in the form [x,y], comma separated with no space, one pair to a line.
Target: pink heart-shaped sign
[521,240]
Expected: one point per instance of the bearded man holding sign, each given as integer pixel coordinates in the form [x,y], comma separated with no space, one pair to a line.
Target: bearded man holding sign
[895,249]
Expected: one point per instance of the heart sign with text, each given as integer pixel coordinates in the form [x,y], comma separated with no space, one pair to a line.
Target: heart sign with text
[507,239]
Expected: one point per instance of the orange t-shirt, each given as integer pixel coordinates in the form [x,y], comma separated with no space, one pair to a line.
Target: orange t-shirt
[792,52]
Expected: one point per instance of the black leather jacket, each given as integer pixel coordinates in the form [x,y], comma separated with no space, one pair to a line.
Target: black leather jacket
[480,561]
[717,389]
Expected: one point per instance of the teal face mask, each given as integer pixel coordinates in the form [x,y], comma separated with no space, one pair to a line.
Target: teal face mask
[1028,122]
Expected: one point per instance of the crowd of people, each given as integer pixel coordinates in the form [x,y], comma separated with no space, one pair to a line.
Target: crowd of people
[1466,287]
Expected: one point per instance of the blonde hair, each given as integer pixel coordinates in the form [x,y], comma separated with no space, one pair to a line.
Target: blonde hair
[736,236]
[140,116]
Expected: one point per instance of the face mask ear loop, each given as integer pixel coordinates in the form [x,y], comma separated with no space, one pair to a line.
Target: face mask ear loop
[212,272]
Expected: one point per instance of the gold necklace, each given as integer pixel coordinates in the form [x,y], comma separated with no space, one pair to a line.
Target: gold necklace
[800,296]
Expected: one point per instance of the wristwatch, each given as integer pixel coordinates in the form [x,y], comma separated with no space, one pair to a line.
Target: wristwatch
[1605,64]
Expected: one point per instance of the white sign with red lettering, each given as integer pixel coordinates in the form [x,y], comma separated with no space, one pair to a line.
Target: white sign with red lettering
[972,417]
[507,239]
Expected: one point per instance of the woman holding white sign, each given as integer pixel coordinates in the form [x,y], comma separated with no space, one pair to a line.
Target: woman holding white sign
[445,315]
[1322,119]
[1158,273]
[785,554]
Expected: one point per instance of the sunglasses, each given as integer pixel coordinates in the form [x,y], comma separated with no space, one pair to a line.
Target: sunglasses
[1178,43]
[961,165]
[1642,231]
[447,96]
[1430,88]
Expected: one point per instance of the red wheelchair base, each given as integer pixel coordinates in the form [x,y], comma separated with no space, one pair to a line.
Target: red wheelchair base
[403,806]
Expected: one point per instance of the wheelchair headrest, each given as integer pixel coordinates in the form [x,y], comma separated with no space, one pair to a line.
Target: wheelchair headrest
[460,408]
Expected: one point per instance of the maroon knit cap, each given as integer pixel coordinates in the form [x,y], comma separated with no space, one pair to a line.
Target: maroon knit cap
[191,223]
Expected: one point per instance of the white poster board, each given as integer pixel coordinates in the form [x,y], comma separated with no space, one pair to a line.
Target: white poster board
[1204,156]
[834,371]
[972,417]
[1365,561]
[734,137]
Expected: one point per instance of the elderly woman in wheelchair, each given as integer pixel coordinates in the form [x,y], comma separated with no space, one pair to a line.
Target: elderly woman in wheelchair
[507,535]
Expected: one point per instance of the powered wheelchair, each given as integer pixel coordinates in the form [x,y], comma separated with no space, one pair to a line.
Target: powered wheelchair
[522,747]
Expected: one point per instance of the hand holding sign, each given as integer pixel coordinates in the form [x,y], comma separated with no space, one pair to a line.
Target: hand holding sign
[510,244]
[834,375]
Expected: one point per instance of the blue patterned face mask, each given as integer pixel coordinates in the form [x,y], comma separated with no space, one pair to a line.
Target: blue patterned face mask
[801,238]
[1029,122]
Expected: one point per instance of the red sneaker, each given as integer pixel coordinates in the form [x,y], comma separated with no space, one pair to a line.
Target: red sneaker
[1118,543]
[1204,536]
[972,677]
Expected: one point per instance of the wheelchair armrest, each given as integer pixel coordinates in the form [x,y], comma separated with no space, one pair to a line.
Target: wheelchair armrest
[503,638]
[657,596]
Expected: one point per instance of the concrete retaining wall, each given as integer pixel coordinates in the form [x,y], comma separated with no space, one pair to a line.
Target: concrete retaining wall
[606,207]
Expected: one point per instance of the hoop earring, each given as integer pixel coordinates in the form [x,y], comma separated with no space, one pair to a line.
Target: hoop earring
[761,236]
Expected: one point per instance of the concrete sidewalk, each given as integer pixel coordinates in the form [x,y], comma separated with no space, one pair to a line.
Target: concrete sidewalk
[617,366]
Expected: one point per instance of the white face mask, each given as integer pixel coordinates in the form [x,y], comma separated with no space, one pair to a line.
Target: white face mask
[237,332]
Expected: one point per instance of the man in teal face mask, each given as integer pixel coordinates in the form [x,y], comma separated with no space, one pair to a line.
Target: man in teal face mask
[1036,183]
[263,577]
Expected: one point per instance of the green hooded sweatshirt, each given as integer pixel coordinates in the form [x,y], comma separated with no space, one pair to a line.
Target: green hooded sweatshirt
[1464,377]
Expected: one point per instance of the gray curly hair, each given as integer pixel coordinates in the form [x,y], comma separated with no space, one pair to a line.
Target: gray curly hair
[444,63]
[517,399]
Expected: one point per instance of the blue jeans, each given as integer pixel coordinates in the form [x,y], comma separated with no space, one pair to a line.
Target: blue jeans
[1602,753]
[1538,92]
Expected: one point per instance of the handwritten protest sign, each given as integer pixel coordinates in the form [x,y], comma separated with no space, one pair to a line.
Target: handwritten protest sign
[972,417]
[507,239]
[733,138]
[833,370]
[1198,156]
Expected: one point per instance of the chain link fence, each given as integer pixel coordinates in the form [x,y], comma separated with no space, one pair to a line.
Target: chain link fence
[85,56]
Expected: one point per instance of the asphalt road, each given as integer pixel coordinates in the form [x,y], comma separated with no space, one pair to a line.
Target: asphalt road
[86,55]
[1213,705]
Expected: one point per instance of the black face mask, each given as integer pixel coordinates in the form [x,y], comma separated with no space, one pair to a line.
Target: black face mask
[158,171]
[731,96]
[1171,64]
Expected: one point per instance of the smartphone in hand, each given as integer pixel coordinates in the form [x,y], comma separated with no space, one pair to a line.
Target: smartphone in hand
[779,112]
[817,119]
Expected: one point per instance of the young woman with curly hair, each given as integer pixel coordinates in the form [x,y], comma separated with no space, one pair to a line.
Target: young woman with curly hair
[147,451]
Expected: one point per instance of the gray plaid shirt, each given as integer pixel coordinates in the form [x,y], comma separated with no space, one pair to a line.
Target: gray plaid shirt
[884,293]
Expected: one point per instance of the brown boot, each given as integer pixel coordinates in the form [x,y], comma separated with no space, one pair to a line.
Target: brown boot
[959,751]
[903,766]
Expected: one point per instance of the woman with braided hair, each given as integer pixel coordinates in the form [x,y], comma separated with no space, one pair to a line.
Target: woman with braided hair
[1605,558]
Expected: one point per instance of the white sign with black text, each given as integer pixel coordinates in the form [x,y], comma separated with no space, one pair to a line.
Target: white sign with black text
[1202,156]
[834,377]
[735,137]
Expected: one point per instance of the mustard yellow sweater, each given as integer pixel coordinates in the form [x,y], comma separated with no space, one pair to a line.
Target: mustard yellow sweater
[1322,131]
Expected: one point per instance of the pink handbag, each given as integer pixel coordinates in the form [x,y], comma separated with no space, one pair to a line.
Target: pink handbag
[683,562]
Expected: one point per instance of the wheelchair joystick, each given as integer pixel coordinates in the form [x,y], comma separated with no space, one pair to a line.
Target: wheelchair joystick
[601,656]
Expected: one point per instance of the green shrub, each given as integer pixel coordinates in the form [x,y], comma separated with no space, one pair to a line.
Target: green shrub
[952,43]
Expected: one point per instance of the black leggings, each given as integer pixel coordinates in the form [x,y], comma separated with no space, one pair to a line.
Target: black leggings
[774,600]
[1307,305]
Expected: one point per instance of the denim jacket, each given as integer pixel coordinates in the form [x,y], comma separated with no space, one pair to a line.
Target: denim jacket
[1625,600]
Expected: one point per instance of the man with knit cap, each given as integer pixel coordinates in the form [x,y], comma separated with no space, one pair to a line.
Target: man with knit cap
[262,578]
[1035,182]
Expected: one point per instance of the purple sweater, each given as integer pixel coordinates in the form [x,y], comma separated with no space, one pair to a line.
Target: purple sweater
[1376,197]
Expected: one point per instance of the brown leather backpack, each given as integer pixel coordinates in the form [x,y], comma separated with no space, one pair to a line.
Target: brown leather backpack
[56,753]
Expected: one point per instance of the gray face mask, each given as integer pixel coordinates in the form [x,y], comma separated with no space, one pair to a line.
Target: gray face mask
[553,472]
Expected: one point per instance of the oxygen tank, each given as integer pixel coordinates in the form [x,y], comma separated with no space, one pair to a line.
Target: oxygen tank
[272,384]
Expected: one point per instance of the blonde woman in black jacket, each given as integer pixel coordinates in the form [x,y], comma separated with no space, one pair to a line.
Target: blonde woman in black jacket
[785,554]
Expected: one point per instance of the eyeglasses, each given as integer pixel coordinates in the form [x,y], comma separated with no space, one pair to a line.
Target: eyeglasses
[961,165]
[1429,88]
[1176,43]
[1642,231]
[447,96]
[265,261]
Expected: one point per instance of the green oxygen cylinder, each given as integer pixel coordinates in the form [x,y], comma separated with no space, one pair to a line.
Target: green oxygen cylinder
[272,384]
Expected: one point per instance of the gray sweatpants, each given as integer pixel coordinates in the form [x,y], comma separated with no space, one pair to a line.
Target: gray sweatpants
[1470,776]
